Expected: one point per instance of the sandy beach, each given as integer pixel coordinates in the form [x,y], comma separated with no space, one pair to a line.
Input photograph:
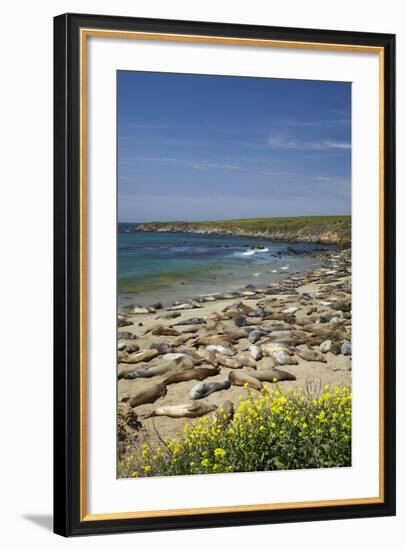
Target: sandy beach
[304,313]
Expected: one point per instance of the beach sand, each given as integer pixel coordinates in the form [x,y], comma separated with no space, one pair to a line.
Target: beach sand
[318,296]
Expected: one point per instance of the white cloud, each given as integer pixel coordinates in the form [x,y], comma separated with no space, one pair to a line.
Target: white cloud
[191,163]
[281,142]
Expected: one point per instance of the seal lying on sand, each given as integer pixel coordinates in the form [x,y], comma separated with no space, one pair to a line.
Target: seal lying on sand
[240,378]
[241,360]
[311,355]
[273,375]
[149,395]
[162,348]
[268,348]
[206,388]
[190,410]
[159,330]
[140,356]
[215,340]
[194,374]
[182,339]
[180,364]
[282,358]
[225,350]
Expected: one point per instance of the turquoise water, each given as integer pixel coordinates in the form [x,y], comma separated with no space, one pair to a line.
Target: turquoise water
[168,266]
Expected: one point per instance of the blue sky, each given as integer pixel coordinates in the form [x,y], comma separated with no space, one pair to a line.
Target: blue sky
[194,147]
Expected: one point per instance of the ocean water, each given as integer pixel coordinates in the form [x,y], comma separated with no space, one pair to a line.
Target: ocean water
[172,266]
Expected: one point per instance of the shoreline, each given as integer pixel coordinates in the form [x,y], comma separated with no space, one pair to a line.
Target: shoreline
[229,273]
[323,299]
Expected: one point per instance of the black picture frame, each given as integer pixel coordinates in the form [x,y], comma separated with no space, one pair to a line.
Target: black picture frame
[67,352]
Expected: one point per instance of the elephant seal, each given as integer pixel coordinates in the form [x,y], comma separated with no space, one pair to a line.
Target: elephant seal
[325,346]
[311,355]
[237,334]
[125,335]
[149,395]
[192,321]
[240,378]
[123,322]
[163,331]
[196,358]
[194,374]
[282,358]
[189,410]
[162,348]
[269,348]
[206,388]
[225,350]
[132,348]
[256,352]
[242,360]
[121,355]
[177,365]
[215,340]
[141,356]
[182,339]
[273,375]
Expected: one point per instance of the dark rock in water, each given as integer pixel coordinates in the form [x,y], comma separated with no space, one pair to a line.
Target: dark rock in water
[162,348]
[192,321]
[250,287]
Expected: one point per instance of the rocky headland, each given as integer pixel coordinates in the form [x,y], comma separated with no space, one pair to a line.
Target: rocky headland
[307,229]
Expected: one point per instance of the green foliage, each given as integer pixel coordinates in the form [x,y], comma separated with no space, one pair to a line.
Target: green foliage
[300,227]
[270,432]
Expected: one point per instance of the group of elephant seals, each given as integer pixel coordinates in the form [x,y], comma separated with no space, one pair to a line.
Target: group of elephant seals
[189,410]
[240,378]
[149,395]
[199,373]
[206,388]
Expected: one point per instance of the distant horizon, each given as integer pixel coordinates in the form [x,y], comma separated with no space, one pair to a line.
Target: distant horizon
[208,147]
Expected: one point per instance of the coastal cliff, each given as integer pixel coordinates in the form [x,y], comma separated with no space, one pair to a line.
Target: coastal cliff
[308,229]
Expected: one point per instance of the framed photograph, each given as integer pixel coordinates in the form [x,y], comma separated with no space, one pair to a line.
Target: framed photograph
[224,274]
